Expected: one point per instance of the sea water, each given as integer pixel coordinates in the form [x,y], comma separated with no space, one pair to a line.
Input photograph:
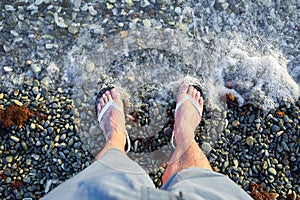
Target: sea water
[148,65]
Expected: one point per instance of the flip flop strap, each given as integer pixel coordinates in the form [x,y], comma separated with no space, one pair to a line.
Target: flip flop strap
[106,107]
[192,100]
[119,108]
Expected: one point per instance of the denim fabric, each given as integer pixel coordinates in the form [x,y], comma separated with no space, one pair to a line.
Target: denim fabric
[115,176]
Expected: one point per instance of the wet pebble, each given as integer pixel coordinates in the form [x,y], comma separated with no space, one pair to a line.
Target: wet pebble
[272,171]
[206,147]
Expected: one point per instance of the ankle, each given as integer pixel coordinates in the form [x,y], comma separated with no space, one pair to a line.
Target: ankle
[117,139]
[182,131]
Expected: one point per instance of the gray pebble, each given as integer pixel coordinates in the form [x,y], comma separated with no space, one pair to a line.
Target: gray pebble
[206,147]
[73,30]
[275,128]
[35,157]
[8,180]
[7,172]
[94,130]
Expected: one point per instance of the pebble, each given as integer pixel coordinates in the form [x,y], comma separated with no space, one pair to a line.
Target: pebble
[92,11]
[35,156]
[60,22]
[73,30]
[206,147]
[178,10]
[28,162]
[155,112]
[7,172]
[52,29]
[32,126]
[265,165]
[48,185]
[32,7]
[9,159]
[145,3]
[94,130]
[17,102]
[35,90]
[272,171]
[24,145]
[48,46]
[9,8]
[38,2]
[147,23]
[235,123]
[275,128]
[7,69]
[250,140]
[90,67]
[8,180]
[14,138]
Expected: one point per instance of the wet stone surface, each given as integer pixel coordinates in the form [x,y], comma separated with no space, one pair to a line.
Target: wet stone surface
[40,69]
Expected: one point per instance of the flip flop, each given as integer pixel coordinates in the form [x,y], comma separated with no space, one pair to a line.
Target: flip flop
[193,101]
[109,104]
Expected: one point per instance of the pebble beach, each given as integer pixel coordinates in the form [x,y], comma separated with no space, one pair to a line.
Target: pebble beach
[56,54]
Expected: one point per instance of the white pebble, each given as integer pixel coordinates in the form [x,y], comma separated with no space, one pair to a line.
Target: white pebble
[32,7]
[90,66]
[7,69]
[178,10]
[48,185]
[92,11]
[51,46]
[17,102]
[38,2]
[77,3]
[14,33]
[147,23]
[60,22]
[9,8]
[14,138]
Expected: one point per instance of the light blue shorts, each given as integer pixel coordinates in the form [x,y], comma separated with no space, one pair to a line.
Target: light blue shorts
[115,176]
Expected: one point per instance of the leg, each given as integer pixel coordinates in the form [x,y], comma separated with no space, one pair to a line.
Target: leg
[113,175]
[187,152]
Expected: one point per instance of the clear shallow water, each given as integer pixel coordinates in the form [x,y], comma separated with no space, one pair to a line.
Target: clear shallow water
[148,66]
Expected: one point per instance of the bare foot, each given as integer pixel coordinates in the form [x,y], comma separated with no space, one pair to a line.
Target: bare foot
[187,116]
[113,121]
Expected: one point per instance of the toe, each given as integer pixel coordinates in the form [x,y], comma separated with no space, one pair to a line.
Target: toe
[102,103]
[198,95]
[184,87]
[183,90]
[108,95]
[105,99]
[116,96]
[200,101]
[191,91]
[194,93]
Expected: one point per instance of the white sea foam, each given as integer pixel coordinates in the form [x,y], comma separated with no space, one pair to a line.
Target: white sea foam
[158,60]
[256,76]
[250,74]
